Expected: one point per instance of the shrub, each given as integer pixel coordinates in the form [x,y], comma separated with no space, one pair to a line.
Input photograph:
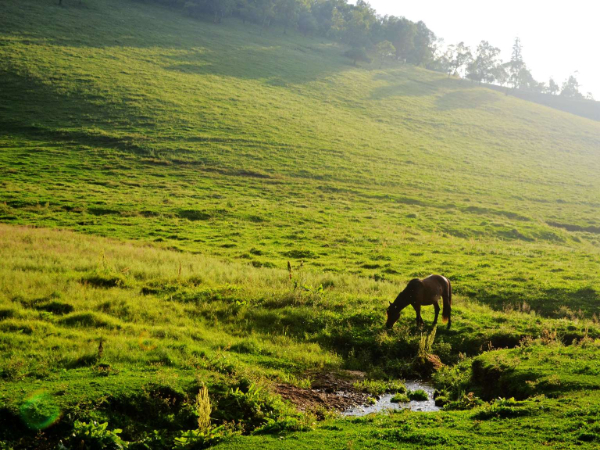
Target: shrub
[95,436]
[256,409]
[454,381]
[13,369]
[378,387]
[197,439]
[357,54]
[465,401]
[506,408]
[441,401]
[297,423]
[419,395]
[400,398]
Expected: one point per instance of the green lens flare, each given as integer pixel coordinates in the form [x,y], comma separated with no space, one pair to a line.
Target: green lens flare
[39,411]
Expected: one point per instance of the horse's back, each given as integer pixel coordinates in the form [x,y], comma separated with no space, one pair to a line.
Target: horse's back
[435,285]
[439,279]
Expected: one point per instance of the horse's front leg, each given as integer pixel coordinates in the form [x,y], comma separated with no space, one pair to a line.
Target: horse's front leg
[437,312]
[418,311]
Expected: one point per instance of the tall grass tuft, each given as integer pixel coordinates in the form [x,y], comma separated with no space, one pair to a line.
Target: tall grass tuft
[425,343]
[203,409]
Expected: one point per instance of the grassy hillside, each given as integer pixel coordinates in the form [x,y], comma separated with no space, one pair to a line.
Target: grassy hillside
[170,322]
[125,120]
[581,107]
[199,159]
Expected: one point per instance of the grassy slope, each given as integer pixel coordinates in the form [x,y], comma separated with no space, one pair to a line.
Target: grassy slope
[583,108]
[125,120]
[170,321]
[129,121]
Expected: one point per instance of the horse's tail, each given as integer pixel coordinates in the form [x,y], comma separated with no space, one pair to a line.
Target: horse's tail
[447,309]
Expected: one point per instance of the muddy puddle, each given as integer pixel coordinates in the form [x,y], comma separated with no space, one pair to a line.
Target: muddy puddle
[384,403]
[337,392]
[329,391]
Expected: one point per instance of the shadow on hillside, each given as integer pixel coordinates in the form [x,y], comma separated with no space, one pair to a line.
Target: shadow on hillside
[552,302]
[33,109]
[277,66]
[409,87]
[466,99]
[229,49]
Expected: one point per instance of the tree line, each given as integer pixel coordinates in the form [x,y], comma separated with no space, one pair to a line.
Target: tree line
[356,25]
[485,66]
[386,37]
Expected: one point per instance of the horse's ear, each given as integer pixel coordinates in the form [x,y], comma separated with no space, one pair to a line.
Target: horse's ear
[390,303]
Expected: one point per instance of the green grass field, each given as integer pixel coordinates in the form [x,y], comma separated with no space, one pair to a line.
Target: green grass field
[157,173]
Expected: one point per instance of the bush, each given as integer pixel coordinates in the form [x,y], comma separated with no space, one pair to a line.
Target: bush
[441,401]
[505,408]
[95,436]
[197,439]
[357,54]
[465,401]
[454,381]
[257,410]
[400,398]
[297,423]
[378,387]
[419,395]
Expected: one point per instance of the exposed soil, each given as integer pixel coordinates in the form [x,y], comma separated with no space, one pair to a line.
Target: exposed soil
[330,391]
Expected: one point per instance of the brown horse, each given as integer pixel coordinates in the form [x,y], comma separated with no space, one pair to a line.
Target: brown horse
[423,293]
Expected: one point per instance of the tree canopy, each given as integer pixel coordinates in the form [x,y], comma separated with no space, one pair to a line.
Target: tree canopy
[388,37]
[356,25]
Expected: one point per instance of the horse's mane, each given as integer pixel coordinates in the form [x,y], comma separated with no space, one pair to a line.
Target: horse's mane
[412,286]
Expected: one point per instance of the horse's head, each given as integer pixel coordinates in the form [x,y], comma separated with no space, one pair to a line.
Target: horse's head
[405,298]
[393,314]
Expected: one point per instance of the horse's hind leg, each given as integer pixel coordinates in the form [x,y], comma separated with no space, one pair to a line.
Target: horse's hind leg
[437,312]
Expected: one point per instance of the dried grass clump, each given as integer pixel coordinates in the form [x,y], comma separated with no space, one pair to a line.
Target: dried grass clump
[203,409]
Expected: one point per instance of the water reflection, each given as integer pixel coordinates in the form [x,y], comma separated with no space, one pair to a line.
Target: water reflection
[384,403]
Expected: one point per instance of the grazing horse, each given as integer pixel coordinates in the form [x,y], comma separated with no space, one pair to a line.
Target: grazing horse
[423,293]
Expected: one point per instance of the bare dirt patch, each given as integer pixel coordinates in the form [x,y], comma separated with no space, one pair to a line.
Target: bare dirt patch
[330,391]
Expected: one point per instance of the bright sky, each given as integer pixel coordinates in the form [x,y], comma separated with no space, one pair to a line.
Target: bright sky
[558,37]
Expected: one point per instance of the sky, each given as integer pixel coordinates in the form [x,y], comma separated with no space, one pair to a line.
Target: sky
[558,37]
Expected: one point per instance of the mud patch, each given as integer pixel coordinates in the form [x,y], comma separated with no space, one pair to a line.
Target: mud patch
[333,392]
[336,392]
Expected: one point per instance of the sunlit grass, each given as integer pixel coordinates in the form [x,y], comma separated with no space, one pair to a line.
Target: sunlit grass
[264,149]
[192,161]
